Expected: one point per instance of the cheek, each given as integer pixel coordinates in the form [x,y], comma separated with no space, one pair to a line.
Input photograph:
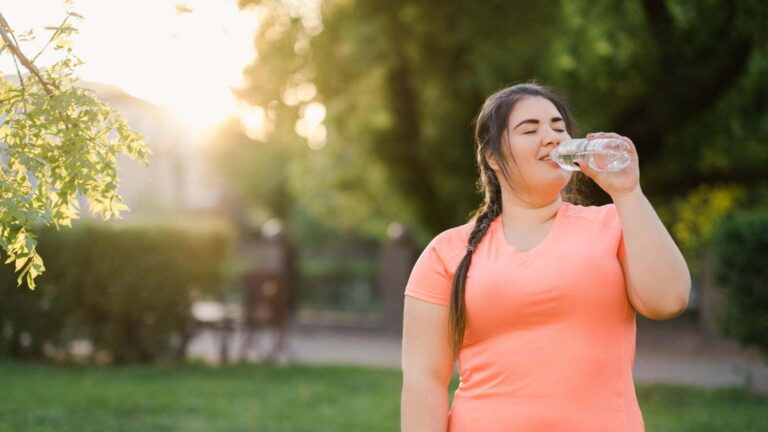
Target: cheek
[525,156]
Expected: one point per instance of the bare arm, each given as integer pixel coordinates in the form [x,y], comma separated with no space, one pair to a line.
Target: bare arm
[657,276]
[427,367]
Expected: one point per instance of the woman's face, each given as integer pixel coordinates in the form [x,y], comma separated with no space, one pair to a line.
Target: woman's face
[534,128]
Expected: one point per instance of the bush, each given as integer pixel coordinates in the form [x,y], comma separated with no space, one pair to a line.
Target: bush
[740,246]
[128,289]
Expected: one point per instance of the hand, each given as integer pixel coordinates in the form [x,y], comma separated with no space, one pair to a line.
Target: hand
[615,183]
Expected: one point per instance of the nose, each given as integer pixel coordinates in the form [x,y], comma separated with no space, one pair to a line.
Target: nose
[552,137]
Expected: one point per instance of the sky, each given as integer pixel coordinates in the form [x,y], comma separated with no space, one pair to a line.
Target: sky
[185,61]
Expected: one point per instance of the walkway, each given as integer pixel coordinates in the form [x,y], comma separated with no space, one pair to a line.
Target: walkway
[667,352]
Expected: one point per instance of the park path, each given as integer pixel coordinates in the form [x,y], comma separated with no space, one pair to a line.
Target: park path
[669,352]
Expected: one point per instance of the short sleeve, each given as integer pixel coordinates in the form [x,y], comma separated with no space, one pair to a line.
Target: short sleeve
[430,280]
[614,220]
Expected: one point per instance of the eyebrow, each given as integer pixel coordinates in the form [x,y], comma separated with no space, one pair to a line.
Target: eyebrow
[534,121]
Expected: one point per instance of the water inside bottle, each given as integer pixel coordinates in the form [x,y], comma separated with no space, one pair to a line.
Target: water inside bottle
[609,161]
[605,160]
[566,160]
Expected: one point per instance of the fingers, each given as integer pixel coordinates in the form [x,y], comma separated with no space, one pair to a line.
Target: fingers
[594,135]
[586,169]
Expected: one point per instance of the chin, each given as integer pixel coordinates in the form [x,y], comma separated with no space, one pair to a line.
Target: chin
[555,188]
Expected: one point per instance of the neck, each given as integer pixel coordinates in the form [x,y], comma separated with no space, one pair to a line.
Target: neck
[517,213]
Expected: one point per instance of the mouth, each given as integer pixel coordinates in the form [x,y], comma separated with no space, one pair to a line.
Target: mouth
[549,161]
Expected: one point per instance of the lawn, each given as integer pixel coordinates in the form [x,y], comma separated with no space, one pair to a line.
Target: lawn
[273,398]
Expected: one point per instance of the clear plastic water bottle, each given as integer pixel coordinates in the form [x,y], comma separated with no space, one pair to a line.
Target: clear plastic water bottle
[602,154]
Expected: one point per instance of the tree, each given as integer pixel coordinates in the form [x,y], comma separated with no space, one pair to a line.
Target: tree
[57,141]
[402,81]
[255,170]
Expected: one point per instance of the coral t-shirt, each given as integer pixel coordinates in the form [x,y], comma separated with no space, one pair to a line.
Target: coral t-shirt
[549,343]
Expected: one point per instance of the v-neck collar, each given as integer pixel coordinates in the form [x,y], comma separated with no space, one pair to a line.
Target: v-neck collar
[501,239]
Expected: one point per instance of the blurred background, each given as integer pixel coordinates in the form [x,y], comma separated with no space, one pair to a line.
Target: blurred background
[303,154]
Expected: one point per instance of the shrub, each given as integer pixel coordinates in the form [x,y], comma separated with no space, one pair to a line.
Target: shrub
[740,246]
[128,289]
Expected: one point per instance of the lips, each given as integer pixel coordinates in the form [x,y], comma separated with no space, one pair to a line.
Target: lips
[549,161]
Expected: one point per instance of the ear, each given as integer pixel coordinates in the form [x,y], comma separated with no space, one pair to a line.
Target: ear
[491,161]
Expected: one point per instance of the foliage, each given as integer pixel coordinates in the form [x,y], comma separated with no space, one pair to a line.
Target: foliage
[693,218]
[740,245]
[126,288]
[255,171]
[57,142]
[402,81]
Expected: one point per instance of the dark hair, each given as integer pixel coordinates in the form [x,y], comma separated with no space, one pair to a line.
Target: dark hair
[490,124]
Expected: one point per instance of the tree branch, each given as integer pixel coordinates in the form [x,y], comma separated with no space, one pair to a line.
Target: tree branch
[56,33]
[18,73]
[4,28]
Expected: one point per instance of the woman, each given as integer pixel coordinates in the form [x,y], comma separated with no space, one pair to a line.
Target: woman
[536,296]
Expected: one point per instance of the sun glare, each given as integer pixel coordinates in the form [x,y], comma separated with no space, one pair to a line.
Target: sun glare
[186,58]
[254,119]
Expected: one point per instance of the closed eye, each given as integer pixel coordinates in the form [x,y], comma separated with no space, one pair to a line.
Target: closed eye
[530,132]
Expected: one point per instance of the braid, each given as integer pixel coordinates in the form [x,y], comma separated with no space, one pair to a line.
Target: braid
[490,210]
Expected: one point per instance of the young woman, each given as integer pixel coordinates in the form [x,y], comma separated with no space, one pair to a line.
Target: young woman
[536,296]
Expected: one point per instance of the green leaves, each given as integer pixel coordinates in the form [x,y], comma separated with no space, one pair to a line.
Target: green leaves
[739,243]
[57,142]
[20,246]
[402,84]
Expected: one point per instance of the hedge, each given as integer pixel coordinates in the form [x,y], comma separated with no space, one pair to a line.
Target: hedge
[126,288]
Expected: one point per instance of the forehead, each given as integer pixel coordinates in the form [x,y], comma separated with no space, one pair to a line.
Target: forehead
[533,107]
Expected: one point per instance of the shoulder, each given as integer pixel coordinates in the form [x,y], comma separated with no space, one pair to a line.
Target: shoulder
[605,215]
[451,242]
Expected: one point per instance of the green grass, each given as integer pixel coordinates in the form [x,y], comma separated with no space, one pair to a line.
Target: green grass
[272,398]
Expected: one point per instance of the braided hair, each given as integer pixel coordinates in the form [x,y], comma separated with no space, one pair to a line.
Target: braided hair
[490,125]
